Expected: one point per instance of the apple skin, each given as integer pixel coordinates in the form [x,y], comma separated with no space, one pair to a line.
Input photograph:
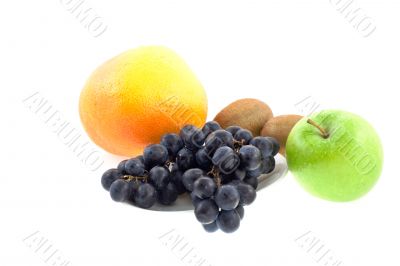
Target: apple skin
[342,167]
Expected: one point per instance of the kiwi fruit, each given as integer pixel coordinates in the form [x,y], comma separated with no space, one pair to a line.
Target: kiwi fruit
[251,114]
[279,128]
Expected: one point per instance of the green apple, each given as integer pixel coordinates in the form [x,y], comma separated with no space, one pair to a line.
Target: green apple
[335,155]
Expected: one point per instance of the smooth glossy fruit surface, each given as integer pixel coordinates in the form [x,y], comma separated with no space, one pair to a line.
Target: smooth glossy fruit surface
[228,221]
[209,127]
[204,187]
[250,157]
[265,145]
[120,190]
[227,197]
[185,159]
[173,143]
[190,176]
[121,167]
[233,129]
[145,196]
[218,139]
[244,136]
[247,193]
[210,228]
[206,211]
[240,210]
[155,154]
[136,97]
[252,181]
[109,177]
[168,194]
[134,167]
[159,177]
[226,160]
[176,178]
[203,159]
[341,167]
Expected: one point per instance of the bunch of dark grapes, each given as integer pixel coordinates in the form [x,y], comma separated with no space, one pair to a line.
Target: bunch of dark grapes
[149,178]
[226,177]
[219,168]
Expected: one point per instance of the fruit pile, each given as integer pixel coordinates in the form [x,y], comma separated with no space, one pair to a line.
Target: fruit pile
[334,155]
[219,168]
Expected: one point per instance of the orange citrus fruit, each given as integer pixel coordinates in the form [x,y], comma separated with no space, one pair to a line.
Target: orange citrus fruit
[134,98]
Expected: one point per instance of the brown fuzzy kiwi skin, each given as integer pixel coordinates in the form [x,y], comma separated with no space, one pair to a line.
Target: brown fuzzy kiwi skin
[251,114]
[279,128]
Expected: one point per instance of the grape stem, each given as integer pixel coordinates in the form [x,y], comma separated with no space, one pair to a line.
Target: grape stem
[324,134]
[217,180]
[215,174]
[169,164]
[238,144]
[131,177]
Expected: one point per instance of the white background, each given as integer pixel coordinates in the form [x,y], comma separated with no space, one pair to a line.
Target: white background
[278,51]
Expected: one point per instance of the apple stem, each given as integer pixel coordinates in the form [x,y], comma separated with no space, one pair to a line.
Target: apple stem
[324,134]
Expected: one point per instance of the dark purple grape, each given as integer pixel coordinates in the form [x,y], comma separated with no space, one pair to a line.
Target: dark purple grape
[167,195]
[109,177]
[227,197]
[240,210]
[211,228]
[226,160]
[268,165]
[176,178]
[256,172]
[134,167]
[221,153]
[173,143]
[247,193]
[210,127]
[250,157]
[145,196]
[265,146]
[228,221]
[252,181]
[243,135]
[195,200]
[192,137]
[140,158]
[206,211]
[120,190]
[218,139]
[121,167]
[133,187]
[204,187]
[275,145]
[233,129]
[190,176]
[203,159]
[185,159]
[159,177]
[155,154]
[239,174]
